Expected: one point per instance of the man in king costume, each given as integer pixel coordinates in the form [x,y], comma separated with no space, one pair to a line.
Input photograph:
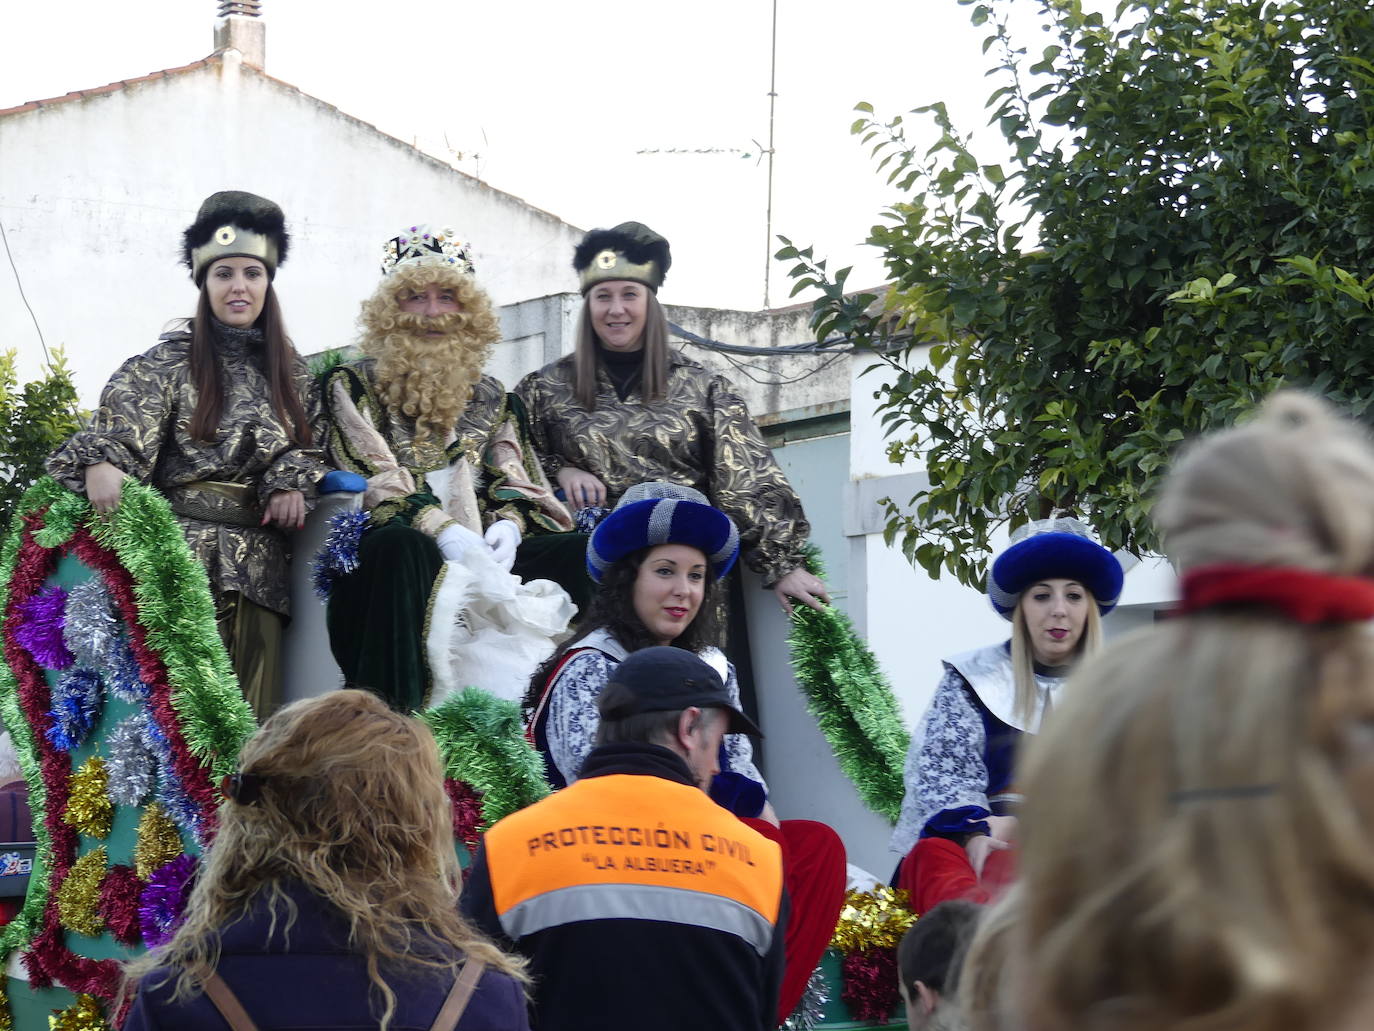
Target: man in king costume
[452,487]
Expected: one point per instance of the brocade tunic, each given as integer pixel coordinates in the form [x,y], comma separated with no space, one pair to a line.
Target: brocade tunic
[143,427]
[508,485]
[700,435]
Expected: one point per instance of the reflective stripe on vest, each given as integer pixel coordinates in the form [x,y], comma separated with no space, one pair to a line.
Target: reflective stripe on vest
[634,847]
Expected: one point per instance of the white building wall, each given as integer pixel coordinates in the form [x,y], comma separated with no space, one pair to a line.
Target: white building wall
[95,192]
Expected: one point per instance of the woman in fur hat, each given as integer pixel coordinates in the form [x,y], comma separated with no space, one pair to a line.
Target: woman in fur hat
[1053,582]
[624,408]
[657,559]
[218,416]
[1199,846]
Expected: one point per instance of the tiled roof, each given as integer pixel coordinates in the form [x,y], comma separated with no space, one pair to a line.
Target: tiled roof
[114,87]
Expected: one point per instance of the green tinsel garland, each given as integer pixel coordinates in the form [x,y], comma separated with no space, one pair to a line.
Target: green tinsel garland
[176,610]
[481,741]
[851,700]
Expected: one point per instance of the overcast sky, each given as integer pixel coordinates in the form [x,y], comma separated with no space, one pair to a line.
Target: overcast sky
[578,107]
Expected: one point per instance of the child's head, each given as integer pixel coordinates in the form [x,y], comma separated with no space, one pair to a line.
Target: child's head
[930,954]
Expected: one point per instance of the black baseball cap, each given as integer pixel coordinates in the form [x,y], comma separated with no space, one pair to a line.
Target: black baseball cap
[663,679]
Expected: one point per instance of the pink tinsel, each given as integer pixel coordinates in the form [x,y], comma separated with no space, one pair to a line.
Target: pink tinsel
[869,979]
[40,628]
[467,812]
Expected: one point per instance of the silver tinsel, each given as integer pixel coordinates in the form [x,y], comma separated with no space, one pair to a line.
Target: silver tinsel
[810,1011]
[130,762]
[92,630]
[95,635]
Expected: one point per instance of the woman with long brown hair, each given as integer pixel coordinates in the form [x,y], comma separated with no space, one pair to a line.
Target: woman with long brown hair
[625,408]
[330,895]
[218,417]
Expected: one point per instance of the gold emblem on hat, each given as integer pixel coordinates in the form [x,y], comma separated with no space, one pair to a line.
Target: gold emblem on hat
[607,259]
[225,235]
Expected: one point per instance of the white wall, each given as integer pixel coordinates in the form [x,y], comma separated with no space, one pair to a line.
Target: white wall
[95,192]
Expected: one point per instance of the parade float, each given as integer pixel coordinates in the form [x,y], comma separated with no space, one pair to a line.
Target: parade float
[125,715]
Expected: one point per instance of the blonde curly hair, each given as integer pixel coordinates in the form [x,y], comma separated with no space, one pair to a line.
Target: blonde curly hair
[428,379]
[352,805]
[1215,869]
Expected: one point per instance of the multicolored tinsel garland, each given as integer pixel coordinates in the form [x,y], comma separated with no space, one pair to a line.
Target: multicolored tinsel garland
[810,1011]
[870,927]
[76,703]
[482,743]
[338,555]
[89,808]
[467,812]
[870,984]
[169,656]
[121,893]
[851,700]
[163,902]
[83,1015]
[40,628]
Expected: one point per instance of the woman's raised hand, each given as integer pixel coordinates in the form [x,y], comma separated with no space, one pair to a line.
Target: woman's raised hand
[286,508]
[581,488]
[803,587]
[103,483]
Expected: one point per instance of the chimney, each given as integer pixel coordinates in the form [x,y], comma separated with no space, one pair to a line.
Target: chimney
[240,27]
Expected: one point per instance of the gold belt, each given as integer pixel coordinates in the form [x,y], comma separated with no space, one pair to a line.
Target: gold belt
[216,501]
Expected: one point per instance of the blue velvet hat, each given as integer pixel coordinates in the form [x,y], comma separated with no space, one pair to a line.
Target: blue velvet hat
[1054,549]
[662,513]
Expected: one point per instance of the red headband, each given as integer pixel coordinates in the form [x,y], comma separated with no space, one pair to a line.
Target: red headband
[1302,595]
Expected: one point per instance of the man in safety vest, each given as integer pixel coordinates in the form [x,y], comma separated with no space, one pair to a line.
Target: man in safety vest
[638,900]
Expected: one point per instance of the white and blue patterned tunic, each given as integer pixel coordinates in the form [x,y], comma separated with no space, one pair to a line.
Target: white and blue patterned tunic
[959,769]
[571,717]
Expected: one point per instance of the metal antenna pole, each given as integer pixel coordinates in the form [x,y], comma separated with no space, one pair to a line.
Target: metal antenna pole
[768,217]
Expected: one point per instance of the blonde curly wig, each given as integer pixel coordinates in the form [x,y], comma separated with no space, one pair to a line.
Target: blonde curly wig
[428,379]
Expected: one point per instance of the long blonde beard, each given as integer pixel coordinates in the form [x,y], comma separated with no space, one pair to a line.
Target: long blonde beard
[429,379]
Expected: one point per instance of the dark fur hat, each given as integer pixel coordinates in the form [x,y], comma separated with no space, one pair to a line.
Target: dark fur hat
[639,254]
[235,224]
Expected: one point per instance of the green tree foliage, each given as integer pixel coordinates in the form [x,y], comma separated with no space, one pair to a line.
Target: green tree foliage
[1186,222]
[34,420]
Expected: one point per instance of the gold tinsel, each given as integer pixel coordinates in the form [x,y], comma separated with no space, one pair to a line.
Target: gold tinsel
[158,841]
[78,900]
[83,1015]
[6,1021]
[873,920]
[89,808]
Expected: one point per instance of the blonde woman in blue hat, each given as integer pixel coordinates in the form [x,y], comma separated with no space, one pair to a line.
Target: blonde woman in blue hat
[218,417]
[625,408]
[1053,583]
[657,558]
